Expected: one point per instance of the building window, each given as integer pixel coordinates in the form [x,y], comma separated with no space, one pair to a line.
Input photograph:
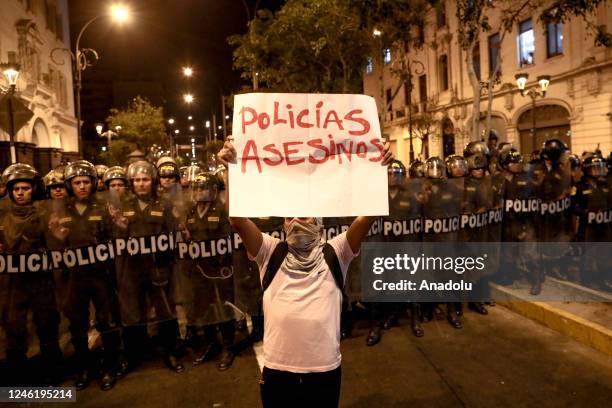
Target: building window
[369,66]
[29,5]
[387,56]
[388,98]
[443,72]
[59,27]
[526,42]
[554,39]
[476,59]
[423,88]
[441,15]
[421,34]
[494,46]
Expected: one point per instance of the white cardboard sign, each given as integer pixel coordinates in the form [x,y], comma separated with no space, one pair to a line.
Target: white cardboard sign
[307,155]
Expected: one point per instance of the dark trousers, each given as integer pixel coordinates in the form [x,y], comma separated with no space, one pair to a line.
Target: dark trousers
[285,389]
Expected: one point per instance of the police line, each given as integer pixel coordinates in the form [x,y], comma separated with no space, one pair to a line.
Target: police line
[120,247]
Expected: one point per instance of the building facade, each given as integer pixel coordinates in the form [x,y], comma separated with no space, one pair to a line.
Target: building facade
[29,31]
[576,108]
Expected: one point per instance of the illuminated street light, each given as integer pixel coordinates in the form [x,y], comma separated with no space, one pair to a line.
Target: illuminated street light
[177,131]
[207,124]
[87,57]
[376,32]
[226,116]
[189,117]
[192,128]
[171,121]
[188,98]
[187,71]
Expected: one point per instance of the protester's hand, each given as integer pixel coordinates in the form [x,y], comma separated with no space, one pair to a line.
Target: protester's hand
[228,153]
[117,217]
[184,232]
[388,156]
[58,230]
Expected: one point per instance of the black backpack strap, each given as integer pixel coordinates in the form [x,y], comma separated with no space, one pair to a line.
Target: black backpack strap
[334,265]
[274,264]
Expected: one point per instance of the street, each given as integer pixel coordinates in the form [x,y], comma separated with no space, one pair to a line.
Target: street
[501,360]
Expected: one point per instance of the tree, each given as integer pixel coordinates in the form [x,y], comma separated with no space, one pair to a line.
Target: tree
[473,18]
[142,125]
[306,46]
[396,25]
[566,9]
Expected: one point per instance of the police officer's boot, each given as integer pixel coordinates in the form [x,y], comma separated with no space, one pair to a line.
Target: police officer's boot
[415,320]
[374,335]
[111,341]
[478,307]
[451,315]
[169,333]
[211,345]
[83,362]
[51,355]
[227,355]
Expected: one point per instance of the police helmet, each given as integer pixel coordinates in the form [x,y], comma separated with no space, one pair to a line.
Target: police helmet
[142,167]
[114,173]
[594,166]
[508,156]
[80,168]
[396,167]
[21,172]
[166,167]
[435,168]
[456,166]
[416,169]
[100,170]
[575,161]
[476,148]
[54,178]
[477,162]
[553,150]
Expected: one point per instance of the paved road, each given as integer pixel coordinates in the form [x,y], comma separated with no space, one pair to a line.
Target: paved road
[500,360]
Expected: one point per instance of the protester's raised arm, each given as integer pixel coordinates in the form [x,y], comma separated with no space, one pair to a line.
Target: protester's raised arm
[248,231]
[358,231]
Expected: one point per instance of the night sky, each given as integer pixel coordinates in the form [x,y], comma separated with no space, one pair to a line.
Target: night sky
[163,36]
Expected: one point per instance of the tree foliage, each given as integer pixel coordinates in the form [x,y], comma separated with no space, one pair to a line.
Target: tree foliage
[306,46]
[566,9]
[142,125]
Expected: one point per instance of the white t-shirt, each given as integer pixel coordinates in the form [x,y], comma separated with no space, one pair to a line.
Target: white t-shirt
[302,313]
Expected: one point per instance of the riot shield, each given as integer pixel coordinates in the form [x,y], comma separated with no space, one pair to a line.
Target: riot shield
[405,220]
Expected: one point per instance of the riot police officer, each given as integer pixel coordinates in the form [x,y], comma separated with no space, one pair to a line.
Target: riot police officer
[169,176]
[211,278]
[593,202]
[100,170]
[55,187]
[520,223]
[417,169]
[443,201]
[85,221]
[115,181]
[145,279]
[21,231]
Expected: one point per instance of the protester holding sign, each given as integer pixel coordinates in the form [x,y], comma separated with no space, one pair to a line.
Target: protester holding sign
[21,230]
[302,277]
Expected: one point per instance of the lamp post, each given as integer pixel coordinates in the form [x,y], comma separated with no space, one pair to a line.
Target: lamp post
[87,57]
[418,68]
[108,134]
[533,93]
[11,72]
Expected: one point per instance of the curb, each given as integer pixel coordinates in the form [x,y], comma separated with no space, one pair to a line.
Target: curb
[586,332]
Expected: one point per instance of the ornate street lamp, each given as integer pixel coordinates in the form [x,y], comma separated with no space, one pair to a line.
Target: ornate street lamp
[11,72]
[87,57]
[533,93]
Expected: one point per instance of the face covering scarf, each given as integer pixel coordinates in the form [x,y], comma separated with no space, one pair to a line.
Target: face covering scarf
[305,246]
